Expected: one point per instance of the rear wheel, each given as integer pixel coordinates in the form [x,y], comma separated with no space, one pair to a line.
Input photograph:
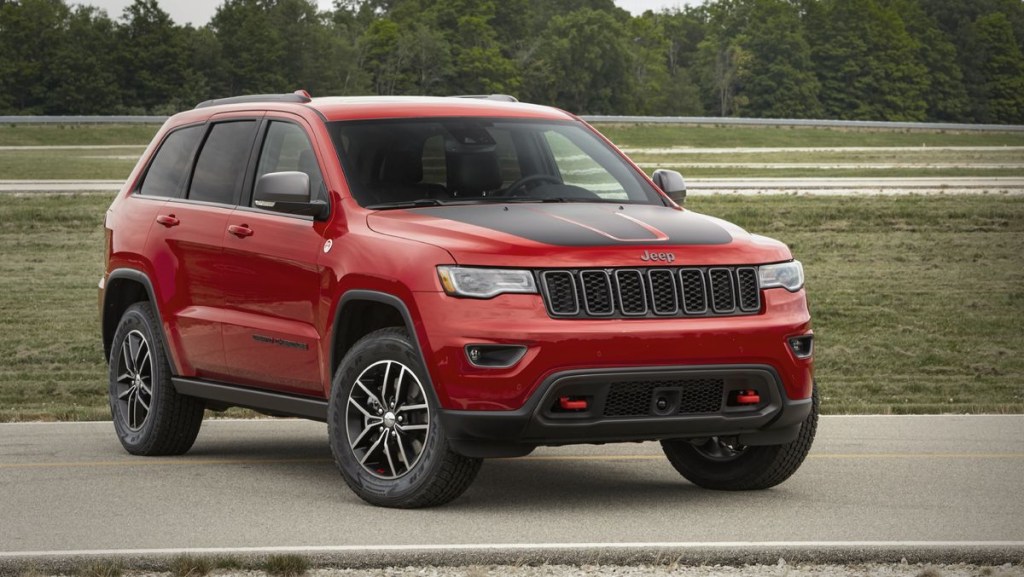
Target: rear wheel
[721,463]
[150,417]
[385,435]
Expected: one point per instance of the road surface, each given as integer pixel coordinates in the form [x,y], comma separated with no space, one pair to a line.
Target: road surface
[896,483]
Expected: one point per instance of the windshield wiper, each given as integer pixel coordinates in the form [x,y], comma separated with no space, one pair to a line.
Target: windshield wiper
[419,202]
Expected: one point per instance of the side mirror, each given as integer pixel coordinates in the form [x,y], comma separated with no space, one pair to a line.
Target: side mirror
[671,183]
[287,192]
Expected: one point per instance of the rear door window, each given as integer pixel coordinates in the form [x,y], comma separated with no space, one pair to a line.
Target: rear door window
[219,169]
[170,164]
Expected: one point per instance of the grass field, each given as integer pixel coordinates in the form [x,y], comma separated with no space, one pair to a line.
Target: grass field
[917,301]
[76,134]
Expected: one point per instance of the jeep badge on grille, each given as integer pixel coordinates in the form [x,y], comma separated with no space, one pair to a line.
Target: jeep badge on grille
[649,256]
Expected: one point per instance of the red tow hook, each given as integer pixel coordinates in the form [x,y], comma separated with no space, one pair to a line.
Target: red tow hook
[748,397]
[572,404]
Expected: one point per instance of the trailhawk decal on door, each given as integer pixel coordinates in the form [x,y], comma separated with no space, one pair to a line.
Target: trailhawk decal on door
[590,224]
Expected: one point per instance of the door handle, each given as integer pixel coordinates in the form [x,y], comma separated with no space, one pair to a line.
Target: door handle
[240,230]
[168,220]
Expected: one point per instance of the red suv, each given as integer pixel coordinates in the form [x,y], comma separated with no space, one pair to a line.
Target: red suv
[444,280]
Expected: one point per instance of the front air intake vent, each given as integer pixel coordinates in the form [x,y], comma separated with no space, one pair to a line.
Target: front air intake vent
[689,396]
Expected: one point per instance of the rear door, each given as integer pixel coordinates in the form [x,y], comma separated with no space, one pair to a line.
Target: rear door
[187,246]
[271,277]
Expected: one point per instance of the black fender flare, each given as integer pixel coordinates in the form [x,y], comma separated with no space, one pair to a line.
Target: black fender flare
[382,298]
[141,278]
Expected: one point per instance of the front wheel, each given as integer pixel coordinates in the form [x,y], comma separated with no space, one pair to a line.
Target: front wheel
[718,463]
[150,417]
[384,430]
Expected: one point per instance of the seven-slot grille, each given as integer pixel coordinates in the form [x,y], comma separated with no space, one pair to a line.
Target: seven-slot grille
[651,292]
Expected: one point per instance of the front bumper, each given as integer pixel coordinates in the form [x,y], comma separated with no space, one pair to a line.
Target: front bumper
[558,346]
[624,405]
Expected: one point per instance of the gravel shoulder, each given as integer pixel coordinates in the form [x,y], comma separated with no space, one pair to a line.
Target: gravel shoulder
[778,569]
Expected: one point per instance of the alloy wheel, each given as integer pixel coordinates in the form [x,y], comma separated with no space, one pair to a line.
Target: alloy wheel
[135,380]
[387,419]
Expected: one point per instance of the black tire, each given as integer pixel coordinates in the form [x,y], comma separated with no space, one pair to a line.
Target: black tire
[713,464]
[388,444]
[157,421]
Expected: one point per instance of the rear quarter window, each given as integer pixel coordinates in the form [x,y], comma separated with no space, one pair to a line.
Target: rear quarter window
[171,163]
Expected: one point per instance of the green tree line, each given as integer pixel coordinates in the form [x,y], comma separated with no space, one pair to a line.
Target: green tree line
[940,60]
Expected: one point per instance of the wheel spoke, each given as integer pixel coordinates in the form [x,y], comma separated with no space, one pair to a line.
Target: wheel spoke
[144,365]
[411,408]
[126,354]
[133,409]
[145,388]
[387,453]
[404,428]
[359,407]
[401,452]
[366,430]
[398,386]
[372,448]
[369,394]
[384,385]
[136,345]
[126,393]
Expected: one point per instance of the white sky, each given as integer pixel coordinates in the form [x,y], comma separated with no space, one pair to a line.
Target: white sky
[199,12]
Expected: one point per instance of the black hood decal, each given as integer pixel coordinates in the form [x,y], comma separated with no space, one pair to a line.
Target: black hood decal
[588,224]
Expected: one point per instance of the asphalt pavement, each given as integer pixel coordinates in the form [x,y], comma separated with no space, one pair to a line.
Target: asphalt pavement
[890,483]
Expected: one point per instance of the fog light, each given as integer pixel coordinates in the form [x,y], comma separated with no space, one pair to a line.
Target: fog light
[494,356]
[803,346]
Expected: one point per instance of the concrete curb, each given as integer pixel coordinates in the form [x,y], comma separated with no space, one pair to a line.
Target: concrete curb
[628,554]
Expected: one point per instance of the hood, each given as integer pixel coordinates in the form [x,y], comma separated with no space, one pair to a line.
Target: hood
[578,235]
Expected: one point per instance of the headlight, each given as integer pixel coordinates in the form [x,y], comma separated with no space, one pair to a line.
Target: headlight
[788,275]
[484,283]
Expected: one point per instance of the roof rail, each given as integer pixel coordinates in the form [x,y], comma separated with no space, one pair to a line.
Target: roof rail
[297,97]
[498,97]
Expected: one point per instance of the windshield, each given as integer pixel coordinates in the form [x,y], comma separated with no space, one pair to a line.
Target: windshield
[424,162]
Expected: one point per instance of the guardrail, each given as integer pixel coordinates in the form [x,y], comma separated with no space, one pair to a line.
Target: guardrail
[82,119]
[869,124]
[685,120]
